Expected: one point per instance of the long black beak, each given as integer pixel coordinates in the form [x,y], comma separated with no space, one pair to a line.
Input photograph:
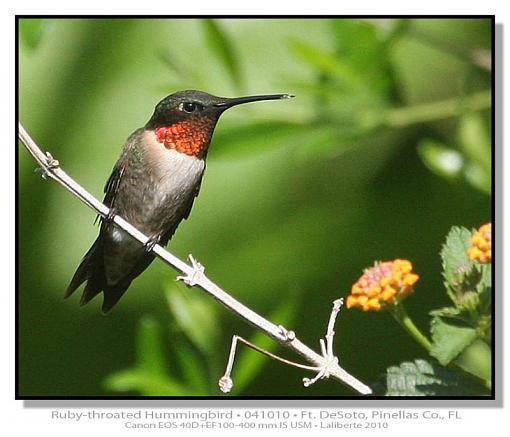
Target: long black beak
[233,101]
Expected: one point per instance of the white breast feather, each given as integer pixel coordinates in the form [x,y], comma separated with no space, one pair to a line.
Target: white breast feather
[175,173]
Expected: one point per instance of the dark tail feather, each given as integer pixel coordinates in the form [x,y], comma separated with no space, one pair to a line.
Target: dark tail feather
[85,272]
[113,294]
[91,270]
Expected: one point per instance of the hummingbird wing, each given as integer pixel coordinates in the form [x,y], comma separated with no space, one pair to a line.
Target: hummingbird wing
[91,268]
[111,187]
[116,257]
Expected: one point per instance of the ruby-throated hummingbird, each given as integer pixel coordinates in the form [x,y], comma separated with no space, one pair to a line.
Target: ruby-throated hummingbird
[152,186]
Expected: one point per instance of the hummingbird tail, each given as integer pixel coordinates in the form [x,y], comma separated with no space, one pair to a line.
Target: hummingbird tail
[91,270]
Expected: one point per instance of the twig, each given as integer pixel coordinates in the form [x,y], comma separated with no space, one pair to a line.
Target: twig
[330,360]
[194,274]
[226,382]
[323,372]
[330,333]
[437,110]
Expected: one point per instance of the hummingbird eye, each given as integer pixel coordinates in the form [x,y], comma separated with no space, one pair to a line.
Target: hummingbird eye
[190,107]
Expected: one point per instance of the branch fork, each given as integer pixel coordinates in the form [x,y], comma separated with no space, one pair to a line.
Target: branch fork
[325,364]
[328,366]
[330,360]
[196,274]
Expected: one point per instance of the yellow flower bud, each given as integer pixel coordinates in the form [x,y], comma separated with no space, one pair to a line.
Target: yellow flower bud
[481,244]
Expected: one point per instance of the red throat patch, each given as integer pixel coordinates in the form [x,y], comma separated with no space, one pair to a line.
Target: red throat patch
[189,136]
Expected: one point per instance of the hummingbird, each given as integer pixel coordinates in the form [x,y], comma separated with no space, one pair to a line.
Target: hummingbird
[153,186]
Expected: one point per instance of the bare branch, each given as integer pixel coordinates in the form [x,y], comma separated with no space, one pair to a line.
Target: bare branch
[225,381]
[330,333]
[194,274]
[330,360]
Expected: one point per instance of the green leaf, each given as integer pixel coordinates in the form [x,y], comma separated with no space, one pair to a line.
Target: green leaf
[478,177]
[178,67]
[371,63]
[467,282]
[145,383]
[451,312]
[443,161]
[475,139]
[484,286]
[449,340]
[221,45]
[150,375]
[352,34]
[194,314]
[191,365]
[454,252]
[477,359]
[422,378]
[455,260]
[479,277]
[31,31]
[472,295]
[475,142]
[150,350]
[327,63]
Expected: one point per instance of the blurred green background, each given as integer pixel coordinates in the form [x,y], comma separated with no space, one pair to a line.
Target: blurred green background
[384,148]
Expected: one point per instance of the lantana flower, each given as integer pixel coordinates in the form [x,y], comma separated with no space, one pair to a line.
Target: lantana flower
[384,284]
[481,244]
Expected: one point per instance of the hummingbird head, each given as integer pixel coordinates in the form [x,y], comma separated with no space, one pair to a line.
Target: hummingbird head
[186,120]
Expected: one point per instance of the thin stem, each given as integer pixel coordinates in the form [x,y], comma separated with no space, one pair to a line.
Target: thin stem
[193,274]
[400,314]
[426,112]
[330,333]
[275,357]
[225,383]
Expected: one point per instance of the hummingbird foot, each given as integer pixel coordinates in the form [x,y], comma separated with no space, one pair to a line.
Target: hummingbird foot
[151,243]
[51,164]
[108,218]
[197,273]
[111,215]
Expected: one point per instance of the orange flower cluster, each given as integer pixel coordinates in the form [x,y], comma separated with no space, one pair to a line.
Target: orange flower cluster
[481,244]
[383,284]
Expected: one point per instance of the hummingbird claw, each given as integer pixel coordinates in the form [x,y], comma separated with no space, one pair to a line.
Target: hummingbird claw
[111,215]
[193,278]
[51,163]
[151,242]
